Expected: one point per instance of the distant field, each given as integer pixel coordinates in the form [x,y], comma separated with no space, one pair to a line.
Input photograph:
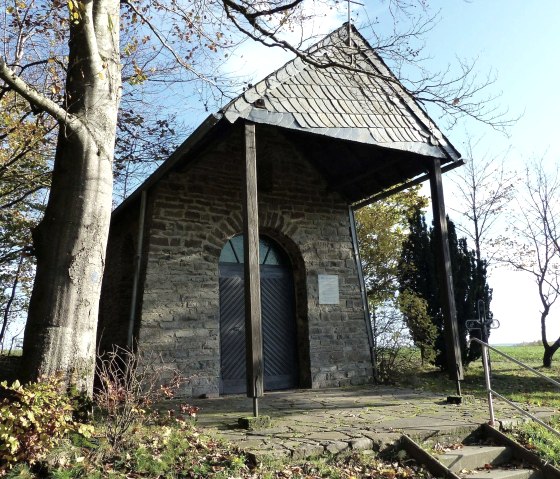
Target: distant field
[13,352]
[523,385]
[532,355]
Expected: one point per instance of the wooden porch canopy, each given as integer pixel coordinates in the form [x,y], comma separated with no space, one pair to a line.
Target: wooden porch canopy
[346,111]
[350,114]
[360,128]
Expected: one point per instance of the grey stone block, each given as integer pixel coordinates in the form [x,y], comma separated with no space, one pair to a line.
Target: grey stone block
[336,446]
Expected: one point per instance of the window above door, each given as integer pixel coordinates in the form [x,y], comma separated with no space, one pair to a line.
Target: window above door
[269,252]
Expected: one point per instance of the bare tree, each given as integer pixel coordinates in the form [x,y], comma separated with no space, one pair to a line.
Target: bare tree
[485,188]
[534,246]
[8,306]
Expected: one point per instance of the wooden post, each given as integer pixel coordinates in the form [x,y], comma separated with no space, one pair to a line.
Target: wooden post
[253,328]
[443,256]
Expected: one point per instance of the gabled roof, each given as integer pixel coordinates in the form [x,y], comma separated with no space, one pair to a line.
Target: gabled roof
[347,92]
[345,109]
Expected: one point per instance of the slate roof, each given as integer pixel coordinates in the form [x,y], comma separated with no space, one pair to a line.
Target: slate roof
[350,95]
[346,109]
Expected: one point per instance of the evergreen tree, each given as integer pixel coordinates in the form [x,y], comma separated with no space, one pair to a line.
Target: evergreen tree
[422,330]
[417,276]
[416,271]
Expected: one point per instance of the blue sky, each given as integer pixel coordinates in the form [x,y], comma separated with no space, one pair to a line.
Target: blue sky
[519,40]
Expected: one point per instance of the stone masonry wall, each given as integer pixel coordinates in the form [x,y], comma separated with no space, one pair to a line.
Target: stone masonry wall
[116,291]
[195,211]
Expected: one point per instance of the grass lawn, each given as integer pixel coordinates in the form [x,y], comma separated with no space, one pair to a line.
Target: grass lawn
[169,447]
[508,378]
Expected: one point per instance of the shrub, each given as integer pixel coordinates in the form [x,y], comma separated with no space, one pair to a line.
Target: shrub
[393,344]
[129,385]
[33,420]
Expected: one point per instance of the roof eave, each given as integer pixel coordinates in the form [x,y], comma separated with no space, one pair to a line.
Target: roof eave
[412,103]
[286,120]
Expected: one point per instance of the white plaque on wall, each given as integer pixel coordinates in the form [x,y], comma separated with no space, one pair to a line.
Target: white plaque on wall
[328,289]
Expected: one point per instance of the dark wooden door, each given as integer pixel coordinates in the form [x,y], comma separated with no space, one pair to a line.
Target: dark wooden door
[232,333]
[279,329]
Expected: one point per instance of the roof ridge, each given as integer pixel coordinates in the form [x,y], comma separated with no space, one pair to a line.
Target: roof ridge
[350,63]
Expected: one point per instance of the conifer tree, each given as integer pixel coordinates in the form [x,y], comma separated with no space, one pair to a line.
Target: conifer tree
[418,277]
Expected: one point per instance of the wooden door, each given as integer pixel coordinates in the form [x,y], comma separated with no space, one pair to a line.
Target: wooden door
[278,320]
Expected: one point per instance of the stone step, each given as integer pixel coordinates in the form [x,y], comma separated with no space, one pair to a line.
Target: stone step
[504,474]
[474,457]
[475,461]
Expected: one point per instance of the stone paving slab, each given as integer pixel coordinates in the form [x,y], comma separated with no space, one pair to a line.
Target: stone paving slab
[309,422]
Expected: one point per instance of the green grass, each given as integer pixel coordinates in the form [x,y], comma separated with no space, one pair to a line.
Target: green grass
[511,381]
[13,352]
[540,440]
[176,449]
[508,379]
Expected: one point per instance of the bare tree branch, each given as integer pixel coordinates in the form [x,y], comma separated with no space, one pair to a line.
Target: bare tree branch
[36,99]
[534,246]
[485,189]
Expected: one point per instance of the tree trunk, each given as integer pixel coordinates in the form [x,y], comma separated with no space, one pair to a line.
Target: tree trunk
[549,352]
[71,239]
[548,349]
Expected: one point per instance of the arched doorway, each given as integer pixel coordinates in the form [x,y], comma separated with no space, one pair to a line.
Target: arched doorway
[278,317]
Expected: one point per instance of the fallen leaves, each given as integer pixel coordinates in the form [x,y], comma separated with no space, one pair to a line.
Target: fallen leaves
[442,448]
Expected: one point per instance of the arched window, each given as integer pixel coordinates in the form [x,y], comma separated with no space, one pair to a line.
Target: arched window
[269,252]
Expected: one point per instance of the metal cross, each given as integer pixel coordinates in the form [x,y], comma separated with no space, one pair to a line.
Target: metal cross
[350,18]
[482,323]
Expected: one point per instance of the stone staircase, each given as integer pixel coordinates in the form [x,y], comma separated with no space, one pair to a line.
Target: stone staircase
[492,462]
[486,455]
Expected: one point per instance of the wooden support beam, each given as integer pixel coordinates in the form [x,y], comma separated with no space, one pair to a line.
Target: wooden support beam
[253,328]
[363,290]
[369,176]
[451,329]
[403,186]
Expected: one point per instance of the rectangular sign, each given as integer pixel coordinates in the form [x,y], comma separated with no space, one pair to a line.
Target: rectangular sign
[328,289]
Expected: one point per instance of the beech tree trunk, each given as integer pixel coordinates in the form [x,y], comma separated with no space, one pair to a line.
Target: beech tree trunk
[71,239]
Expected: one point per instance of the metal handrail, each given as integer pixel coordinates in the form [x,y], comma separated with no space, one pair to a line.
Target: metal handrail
[490,391]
